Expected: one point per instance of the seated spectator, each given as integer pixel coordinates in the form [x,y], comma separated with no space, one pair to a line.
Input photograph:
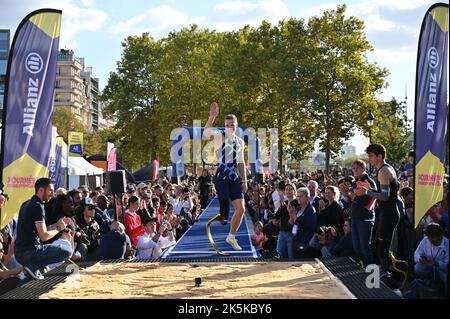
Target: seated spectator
[101,214]
[431,256]
[77,197]
[444,218]
[269,245]
[151,243]
[344,247]
[60,191]
[32,232]
[113,245]
[66,239]
[258,236]
[86,225]
[133,226]
[322,242]
[4,271]
[94,195]
[64,208]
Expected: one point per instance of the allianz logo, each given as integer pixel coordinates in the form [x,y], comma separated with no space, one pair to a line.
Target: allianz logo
[433,57]
[34,63]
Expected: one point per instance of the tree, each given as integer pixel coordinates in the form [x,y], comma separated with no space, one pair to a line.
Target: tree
[66,121]
[389,129]
[132,95]
[342,84]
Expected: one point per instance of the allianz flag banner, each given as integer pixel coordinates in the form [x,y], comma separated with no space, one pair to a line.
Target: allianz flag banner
[431,110]
[75,144]
[52,157]
[58,159]
[28,109]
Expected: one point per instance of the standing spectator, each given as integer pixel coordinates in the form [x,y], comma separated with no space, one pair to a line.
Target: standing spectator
[205,182]
[285,244]
[32,231]
[277,196]
[305,222]
[314,198]
[362,215]
[345,185]
[133,226]
[330,212]
[142,189]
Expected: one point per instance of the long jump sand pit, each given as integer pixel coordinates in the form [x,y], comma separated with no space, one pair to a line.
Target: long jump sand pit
[286,280]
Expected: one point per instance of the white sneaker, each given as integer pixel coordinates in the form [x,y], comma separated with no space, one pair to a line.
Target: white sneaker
[22,275]
[35,275]
[233,243]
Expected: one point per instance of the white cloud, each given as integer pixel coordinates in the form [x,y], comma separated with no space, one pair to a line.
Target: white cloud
[75,19]
[88,3]
[228,15]
[232,15]
[401,55]
[403,4]
[157,21]
[316,10]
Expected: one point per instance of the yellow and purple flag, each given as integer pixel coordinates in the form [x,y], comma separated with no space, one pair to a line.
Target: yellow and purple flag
[431,110]
[28,109]
[75,144]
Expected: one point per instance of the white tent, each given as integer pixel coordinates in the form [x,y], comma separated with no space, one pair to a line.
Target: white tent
[81,172]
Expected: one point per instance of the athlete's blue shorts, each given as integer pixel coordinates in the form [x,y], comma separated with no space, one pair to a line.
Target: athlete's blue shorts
[228,189]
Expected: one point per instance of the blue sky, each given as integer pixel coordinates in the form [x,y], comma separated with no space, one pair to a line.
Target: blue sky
[94,29]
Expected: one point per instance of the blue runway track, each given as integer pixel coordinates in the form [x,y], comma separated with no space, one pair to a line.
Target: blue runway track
[195,244]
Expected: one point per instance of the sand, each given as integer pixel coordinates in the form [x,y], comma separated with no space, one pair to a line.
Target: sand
[287,280]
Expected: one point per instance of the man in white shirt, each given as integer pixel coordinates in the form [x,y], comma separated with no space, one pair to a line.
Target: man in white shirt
[151,244]
[431,256]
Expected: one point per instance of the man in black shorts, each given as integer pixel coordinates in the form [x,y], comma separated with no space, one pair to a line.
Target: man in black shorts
[387,214]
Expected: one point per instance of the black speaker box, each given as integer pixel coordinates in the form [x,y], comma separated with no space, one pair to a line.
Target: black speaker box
[116,182]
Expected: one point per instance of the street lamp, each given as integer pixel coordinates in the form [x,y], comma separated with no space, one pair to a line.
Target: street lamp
[370,118]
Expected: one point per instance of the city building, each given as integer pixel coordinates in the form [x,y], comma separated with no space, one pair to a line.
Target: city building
[78,90]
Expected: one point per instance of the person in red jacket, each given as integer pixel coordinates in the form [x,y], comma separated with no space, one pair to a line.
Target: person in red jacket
[133,225]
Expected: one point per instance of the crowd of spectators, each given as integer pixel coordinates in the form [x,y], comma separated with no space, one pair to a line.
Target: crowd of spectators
[299,214]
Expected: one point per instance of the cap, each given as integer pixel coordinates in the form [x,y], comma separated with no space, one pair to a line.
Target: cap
[130,189]
[88,202]
[142,185]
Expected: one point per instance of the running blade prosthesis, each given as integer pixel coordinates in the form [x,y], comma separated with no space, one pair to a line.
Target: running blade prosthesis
[211,240]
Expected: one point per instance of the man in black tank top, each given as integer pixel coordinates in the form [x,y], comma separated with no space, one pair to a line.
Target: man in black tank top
[387,216]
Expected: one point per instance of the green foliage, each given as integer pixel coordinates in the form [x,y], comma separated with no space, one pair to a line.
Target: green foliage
[390,130]
[311,81]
